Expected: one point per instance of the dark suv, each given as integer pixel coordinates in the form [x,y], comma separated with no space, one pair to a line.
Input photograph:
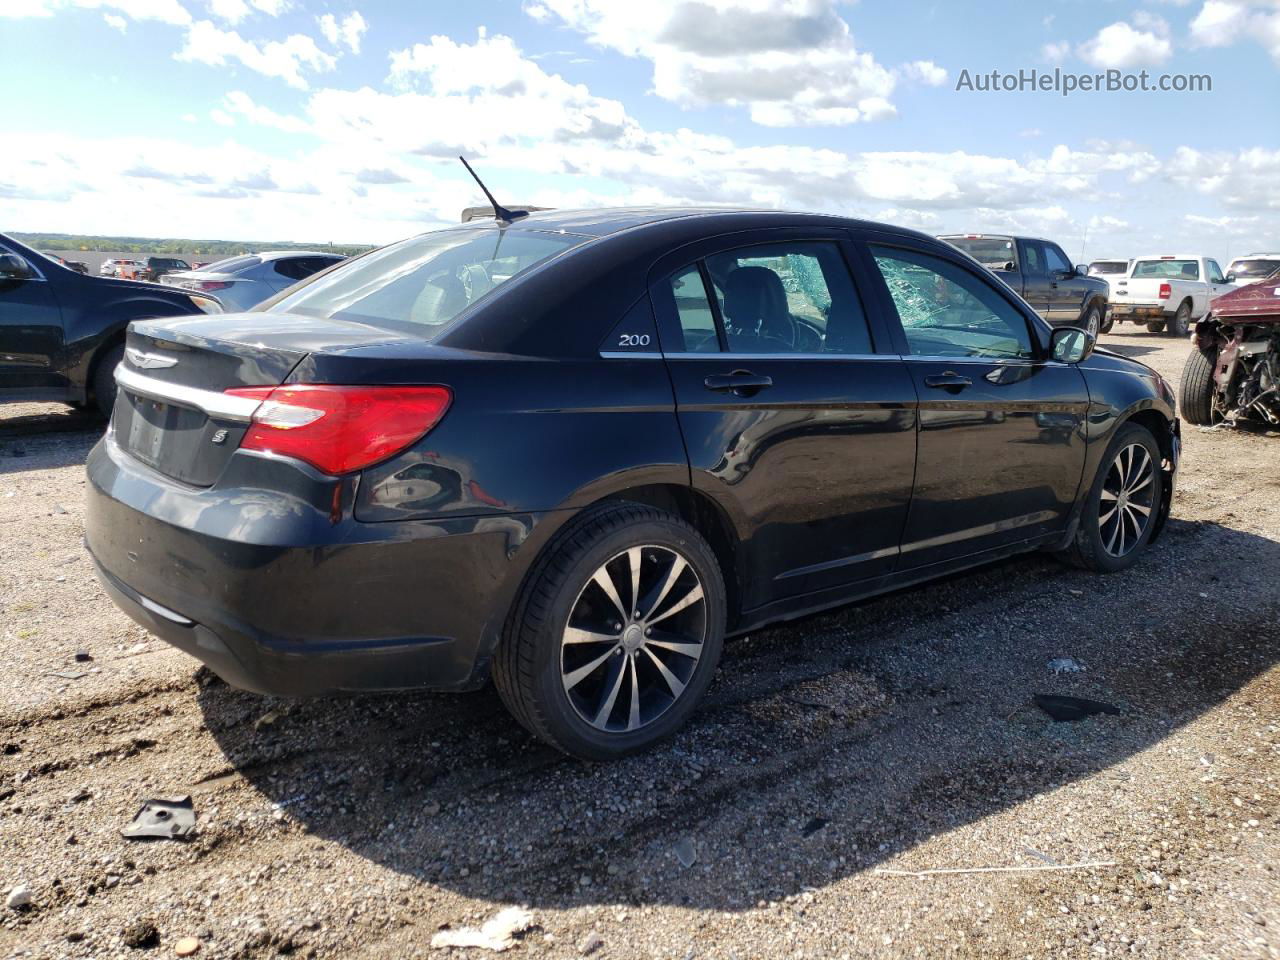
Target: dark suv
[157,267]
[573,451]
[1039,270]
[62,333]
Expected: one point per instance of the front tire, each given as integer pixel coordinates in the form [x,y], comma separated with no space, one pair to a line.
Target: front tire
[104,380]
[1123,504]
[616,635]
[1091,320]
[1181,321]
[1196,393]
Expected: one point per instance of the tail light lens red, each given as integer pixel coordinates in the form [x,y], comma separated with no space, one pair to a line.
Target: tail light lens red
[338,429]
[213,284]
[1166,291]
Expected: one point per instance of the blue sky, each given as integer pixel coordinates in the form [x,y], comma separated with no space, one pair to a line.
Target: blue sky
[285,120]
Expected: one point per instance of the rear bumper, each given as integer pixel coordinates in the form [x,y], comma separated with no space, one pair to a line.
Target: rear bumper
[1139,311]
[277,597]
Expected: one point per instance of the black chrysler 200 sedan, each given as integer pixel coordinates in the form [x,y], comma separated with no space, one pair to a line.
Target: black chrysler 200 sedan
[575,451]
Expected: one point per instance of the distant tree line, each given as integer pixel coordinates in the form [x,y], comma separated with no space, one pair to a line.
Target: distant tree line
[215,249]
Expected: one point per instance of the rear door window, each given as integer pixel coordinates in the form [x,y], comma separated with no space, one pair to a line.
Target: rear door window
[792,297]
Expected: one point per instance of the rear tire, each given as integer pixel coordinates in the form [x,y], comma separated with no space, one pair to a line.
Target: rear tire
[104,380]
[1181,321]
[543,667]
[1113,530]
[1195,395]
[1107,323]
[1155,326]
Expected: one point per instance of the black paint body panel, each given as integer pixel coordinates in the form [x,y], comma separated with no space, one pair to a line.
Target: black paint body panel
[848,476]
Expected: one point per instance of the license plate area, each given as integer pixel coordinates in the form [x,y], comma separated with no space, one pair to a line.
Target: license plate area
[180,442]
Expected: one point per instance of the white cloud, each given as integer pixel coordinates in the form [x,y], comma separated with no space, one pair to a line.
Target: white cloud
[116,22]
[1144,43]
[237,102]
[286,59]
[348,31]
[233,11]
[1056,52]
[926,72]
[792,64]
[1241,180]
[166,11]
[1221,23]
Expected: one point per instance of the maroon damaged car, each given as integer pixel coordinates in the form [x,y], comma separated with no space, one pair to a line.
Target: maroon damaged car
[1233,372]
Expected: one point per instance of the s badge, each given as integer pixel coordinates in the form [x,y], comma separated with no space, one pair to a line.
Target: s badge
[220,436]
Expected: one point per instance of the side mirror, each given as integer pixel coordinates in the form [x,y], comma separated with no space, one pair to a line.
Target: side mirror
[1071,344]
[1229,278]
[14,267]
[1082,269]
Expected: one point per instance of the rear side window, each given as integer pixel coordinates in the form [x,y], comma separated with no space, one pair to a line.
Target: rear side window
[1032,259]
[946,311]
[422,283]
[295,268]
[233,264]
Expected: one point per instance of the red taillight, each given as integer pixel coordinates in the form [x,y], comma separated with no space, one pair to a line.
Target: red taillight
[341,429]
[213,284]
[1166,291]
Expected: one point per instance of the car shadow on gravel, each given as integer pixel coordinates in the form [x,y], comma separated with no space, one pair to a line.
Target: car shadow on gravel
[826,746]
[54,436]
[1132,350]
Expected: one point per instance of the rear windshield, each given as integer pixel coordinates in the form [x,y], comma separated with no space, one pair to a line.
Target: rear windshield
[1167,269]
[994,253]
[1257,269]
[233,264]
[1108,267]
[420,284]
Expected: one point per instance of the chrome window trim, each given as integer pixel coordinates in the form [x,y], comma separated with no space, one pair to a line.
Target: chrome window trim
[220,406]
[729,356]
[630,355]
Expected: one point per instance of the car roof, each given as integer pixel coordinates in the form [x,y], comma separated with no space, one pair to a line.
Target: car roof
[1257,256]
[1174,256]
[604,222]
[282,254]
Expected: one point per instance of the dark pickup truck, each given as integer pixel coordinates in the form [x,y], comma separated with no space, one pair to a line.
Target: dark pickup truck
[1038,270]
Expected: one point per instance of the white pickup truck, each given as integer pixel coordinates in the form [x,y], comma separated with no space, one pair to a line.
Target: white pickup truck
[1167,292]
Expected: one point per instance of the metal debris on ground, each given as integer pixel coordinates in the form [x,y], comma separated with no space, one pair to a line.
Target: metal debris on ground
[1070,709]
[172,818]
[1094,865]
[686,853]
[498,933]
[68,674]
[1066,665]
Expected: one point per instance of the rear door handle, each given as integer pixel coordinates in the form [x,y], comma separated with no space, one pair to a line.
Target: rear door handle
[741,383]
[948,381]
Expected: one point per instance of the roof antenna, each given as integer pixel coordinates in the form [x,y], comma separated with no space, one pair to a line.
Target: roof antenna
[499,211]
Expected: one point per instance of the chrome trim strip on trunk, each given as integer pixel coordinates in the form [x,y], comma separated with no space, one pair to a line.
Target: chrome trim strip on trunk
[220,406]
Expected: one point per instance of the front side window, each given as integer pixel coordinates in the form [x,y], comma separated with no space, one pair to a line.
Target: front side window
[1215,272]
[420,284]
[1166,270]
[948,312]
[1054,259]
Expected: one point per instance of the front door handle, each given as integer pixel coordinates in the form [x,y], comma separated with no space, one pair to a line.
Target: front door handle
[741,383]
[948,381]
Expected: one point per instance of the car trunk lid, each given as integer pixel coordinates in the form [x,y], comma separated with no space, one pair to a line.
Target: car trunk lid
[172,411]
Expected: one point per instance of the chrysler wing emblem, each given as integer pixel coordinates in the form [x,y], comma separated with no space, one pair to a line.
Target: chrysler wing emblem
[148,361]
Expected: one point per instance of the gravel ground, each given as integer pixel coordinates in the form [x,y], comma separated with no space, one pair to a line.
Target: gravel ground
[894,735]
